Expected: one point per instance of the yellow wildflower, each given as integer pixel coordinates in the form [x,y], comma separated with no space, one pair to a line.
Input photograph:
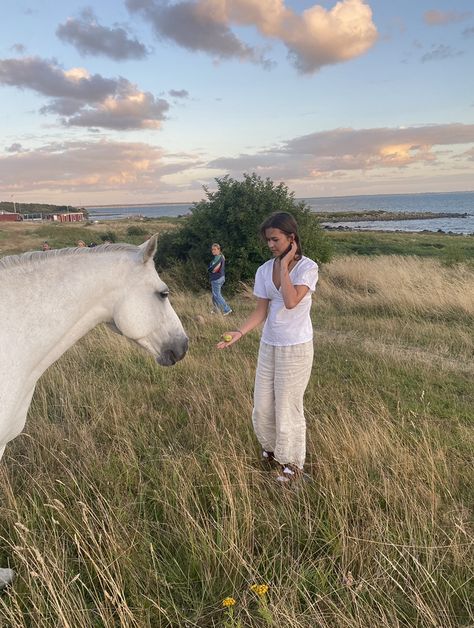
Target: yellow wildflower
[260,589]
[228,601]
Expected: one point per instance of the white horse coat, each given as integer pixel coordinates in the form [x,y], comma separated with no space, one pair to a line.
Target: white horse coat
[49,300]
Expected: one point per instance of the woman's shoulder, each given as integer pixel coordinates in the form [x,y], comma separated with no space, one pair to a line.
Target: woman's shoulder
[266,266]
[306,263]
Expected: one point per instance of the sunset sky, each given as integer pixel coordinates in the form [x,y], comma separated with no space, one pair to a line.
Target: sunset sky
[135,101]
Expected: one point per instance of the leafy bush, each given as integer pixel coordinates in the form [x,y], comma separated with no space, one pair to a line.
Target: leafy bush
[136,231]
[231,216]
[110,236]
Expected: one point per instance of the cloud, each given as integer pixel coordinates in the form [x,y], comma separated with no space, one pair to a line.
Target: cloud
[316,38]
[90,168]
[15,148]
[340,151]
[194,27]
[90,38]
[47,78]
[19,48]
[320,37]
[439,52]
[132,110]
[468,32]
[106,171]
[439,18]
[82,99]
[179,93]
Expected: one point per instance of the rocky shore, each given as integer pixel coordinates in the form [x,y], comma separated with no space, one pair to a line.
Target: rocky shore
[384,215]
[356,228]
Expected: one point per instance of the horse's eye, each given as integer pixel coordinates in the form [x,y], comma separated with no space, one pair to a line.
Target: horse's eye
[164,294]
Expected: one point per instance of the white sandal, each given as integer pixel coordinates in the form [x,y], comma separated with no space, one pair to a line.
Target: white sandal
[288,474]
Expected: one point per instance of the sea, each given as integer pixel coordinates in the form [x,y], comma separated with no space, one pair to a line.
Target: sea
[450,203]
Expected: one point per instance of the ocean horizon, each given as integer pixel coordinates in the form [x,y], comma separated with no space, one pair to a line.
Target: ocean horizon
[436,202]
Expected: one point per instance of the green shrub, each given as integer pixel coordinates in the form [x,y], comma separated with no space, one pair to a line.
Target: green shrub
[136,231]
[231,216]
[111,236]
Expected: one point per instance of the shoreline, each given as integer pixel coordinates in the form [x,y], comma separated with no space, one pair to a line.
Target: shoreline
[384,215]
[440,232]
[329,221]
[356,216]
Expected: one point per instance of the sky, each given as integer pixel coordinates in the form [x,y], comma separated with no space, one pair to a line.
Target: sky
[142,101]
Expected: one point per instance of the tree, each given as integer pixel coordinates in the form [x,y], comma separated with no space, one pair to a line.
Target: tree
[231,216]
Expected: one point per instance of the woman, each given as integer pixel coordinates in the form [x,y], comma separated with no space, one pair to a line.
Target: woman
[283,286]
[216,271]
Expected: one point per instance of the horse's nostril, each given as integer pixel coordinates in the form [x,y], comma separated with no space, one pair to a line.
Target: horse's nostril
[170,357]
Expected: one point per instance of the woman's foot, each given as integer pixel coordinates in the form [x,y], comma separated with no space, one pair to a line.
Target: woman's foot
[289,474]
[268,457]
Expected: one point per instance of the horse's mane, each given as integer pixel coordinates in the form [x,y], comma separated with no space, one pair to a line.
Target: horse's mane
[34,257]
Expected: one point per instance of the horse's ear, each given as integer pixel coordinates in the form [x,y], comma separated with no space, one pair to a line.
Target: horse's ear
[149,248]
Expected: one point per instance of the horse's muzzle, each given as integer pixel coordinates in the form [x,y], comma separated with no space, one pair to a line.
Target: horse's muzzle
[173,353]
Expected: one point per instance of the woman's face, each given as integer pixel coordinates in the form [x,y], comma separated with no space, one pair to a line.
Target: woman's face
[215,250]
[277,241]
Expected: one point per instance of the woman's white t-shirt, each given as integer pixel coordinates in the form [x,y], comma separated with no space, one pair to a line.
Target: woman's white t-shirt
[285,327]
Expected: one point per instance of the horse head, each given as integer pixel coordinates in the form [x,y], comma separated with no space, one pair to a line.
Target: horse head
[143,312]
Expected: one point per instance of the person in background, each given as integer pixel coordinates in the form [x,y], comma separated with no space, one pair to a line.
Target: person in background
[283,287]
[81,244]
[216,271]
[45,246]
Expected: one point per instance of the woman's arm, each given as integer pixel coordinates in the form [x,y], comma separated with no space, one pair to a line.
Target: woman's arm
[256,318]
[292,295]
[215,265]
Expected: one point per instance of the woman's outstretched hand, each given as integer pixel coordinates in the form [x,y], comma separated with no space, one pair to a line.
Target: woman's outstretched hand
[229,338]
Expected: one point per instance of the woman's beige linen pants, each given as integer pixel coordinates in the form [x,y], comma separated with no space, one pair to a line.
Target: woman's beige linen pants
[278,416]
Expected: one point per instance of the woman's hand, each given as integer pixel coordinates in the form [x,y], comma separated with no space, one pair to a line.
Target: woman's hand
[286,260]
[256,318]
[229,338]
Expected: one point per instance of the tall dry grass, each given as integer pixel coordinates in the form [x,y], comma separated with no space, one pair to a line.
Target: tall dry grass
[136,496]
[401,285]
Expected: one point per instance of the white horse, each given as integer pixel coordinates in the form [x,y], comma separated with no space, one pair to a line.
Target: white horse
[49,300]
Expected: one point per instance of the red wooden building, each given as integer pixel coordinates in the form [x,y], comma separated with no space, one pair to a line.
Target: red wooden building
[10,217]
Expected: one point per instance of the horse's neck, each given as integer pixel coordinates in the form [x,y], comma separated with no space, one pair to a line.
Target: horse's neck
[55,303]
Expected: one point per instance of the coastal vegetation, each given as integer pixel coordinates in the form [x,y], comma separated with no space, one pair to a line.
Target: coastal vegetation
[450,249]
[28,236]
[136,496]
[232,216]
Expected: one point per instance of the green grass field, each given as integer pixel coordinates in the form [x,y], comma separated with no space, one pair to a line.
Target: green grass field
[19,237]
[136,496]
[448,248]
